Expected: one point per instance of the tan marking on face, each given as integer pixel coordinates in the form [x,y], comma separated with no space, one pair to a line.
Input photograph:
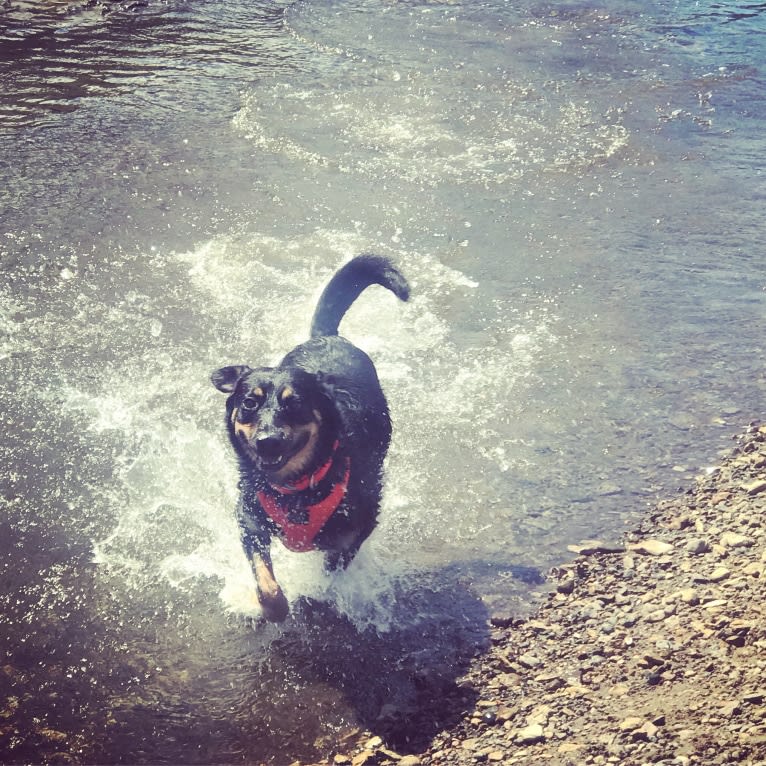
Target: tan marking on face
[286,394]
[246,430]
[258,392]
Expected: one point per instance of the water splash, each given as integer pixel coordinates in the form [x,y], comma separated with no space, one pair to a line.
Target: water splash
[178,474]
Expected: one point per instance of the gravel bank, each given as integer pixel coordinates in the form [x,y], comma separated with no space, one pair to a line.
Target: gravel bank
[650,650]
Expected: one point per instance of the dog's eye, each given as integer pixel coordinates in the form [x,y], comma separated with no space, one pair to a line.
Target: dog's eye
[250,403]
[292,403]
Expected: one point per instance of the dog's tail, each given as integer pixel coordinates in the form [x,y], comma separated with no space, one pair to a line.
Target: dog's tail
[347,284]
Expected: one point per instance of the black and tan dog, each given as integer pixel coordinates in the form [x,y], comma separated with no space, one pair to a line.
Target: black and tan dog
[311,435]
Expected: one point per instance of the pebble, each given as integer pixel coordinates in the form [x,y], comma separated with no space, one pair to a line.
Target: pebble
[647,731]
[591,547]
[755,487]
[696,545]
[735,540]
[529,660]
[629,724]
[689,596]
[719,574]
[365,758]
[530,735]
[651,547]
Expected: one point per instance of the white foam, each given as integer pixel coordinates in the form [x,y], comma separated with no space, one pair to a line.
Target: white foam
[489,137]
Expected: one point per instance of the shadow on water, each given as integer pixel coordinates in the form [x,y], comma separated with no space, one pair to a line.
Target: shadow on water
[403,684]
[252,692]
[97,671]
[309,687]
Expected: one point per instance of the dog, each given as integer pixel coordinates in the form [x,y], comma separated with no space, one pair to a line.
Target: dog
[310,435]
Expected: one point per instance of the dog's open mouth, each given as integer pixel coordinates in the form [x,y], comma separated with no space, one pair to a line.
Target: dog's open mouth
[274,457]
[272,464]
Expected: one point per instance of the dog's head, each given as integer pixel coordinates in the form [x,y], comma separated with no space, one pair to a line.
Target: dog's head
[277,418]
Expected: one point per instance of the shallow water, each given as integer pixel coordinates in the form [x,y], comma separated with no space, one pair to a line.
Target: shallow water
[576,197]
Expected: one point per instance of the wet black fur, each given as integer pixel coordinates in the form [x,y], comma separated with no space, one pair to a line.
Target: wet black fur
[329,376]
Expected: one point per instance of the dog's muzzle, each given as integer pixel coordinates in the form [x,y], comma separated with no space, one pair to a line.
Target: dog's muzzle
[271,448]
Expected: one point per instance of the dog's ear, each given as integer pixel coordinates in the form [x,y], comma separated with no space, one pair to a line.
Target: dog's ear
[334,390]
[226,378]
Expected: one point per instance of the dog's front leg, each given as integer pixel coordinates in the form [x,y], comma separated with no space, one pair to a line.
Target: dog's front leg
[256,541]
[270,596]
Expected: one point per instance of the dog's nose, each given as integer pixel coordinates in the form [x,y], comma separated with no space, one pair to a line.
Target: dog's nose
[269,447]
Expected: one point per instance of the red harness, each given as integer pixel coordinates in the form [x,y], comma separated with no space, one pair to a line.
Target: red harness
[300,537]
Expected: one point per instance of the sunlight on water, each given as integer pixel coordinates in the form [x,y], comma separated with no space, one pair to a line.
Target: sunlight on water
[485,137]
[575,198]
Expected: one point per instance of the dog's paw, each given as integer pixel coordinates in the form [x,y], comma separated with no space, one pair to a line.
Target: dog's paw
[274,606]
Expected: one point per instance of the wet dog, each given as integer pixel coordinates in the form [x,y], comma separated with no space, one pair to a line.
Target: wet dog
[311,435]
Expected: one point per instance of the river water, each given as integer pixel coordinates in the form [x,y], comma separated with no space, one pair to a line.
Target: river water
[575,192]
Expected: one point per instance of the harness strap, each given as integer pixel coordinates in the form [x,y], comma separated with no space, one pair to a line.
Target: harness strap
[299,537]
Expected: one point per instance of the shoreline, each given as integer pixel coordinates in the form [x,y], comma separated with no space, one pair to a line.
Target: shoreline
[649,650]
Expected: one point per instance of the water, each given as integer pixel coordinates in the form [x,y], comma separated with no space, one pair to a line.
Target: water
[575,194]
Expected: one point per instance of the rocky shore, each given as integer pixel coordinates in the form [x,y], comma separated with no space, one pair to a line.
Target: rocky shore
[649,650]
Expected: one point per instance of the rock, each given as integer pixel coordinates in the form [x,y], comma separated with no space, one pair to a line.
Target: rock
[409,760]
[735,633]
[365,758]
[755,487]
[651,547]
[735,540]
[591,547]
[501,618]
[715,603]
[631,724]
[719,574]
[683,421]
[530,735]
[53,735]
[529,660]
[539,715]
[753,569]
[551,681]
[696,545]
[689,596]
[647,731]
[505,680]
